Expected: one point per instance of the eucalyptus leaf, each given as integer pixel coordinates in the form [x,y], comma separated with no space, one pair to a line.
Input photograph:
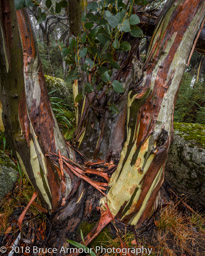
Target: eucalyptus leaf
[83,37]
[134,19]
[93,50]
[108,57]
[73,74]
[108,14]
[111,19]
[114,109]
[108,30]
[58,7]
[92,6]
[117,86]
[105,77]
[102,69]
[116,44]
[41,17]
[105,47]
[93,32]
[125,26]
[19,4]
[102,38]
[65,51]
[89,62]
[83,52]
[125,46]
[89,25]
[101,21]
[72,42]
[120,15]
[63,4]
[29,3]
[136,32]
[91,17]
[48,3]
[88,87]
[115,64]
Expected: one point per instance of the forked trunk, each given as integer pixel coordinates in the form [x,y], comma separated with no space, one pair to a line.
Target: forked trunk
[141,132]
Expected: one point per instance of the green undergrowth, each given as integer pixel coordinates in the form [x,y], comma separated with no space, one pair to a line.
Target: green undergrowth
[105,235]
[62,104]
[191,132]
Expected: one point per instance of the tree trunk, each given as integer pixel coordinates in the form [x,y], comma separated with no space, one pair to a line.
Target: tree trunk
[140,172]
[27,115]
[142,129]
[144,125]
[75,10]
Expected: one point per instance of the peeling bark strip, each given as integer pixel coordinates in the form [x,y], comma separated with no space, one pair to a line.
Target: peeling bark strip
[27,114]
[135,184]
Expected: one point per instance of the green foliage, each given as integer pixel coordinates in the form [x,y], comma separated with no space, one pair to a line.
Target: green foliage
[95,51]
[62,104]
[24,3]
[19,4]
[81,246]
[190,105]
[64,115]
[51,58]
[117,86]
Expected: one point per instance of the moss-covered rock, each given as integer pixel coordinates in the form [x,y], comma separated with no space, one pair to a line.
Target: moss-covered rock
[8,174]
[59,88]
[185,170]
[194,133]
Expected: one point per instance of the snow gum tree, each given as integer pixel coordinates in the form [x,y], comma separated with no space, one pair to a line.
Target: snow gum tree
[136,137]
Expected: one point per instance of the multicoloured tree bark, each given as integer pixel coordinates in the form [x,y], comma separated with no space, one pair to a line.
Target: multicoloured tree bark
[27,115]
[140,133]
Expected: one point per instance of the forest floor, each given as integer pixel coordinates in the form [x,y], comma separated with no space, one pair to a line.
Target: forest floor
[175,229]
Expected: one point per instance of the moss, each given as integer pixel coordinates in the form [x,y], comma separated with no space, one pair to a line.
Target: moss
[8,174]
[54,81]
[6,161]
[191,132]
[60,88]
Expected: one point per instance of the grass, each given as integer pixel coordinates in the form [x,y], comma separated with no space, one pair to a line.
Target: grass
[176,232]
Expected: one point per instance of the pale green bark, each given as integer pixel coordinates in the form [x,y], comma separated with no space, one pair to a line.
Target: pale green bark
[127,183]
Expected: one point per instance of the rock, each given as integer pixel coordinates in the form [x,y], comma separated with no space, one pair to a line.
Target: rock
[185,169]
[8,174]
